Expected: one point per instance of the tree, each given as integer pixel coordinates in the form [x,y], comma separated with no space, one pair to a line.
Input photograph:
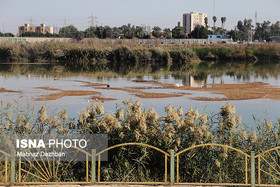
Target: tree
[156,32]
[128,31]
[275,29]
[140,32]
[116,32]
[199,32]
[34,34]
[178,32]
[99,32]
[223,20]
[79,35]
[262,31]
[8,34]
[107,32]
[234,34]
[245,29]
[215,20]
[68,31]
[206,21]
[89,32]
[219,30]
[167,33]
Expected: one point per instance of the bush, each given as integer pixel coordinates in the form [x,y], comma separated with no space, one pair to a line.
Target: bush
[176,130]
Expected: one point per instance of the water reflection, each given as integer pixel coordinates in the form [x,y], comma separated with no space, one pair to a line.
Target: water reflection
[199,75]
[190,81]
[28,77]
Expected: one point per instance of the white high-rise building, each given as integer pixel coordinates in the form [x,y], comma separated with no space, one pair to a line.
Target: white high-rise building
[193,19]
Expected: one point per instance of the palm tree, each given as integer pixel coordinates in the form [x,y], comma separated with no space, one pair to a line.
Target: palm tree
[223,19]
[214,19]
[206,21]
[167,33]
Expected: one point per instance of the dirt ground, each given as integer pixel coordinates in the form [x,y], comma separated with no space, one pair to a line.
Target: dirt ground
[62,93]
[117,185]
[3,90]
[224,92]
[247,91]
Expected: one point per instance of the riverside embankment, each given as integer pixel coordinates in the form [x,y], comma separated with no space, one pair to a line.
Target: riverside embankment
[132,53]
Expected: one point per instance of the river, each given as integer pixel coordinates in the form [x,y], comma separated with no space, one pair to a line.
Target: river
[59,87]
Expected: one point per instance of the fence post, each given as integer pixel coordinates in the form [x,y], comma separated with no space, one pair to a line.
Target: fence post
[13,169]
[253,175]
[93,166]
[172,168]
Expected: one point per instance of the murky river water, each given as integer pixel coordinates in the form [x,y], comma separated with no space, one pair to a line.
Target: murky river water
[30,78]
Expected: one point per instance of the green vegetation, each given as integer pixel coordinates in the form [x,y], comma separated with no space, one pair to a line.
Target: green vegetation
[244,31]
[156,32]
[214,20]
[176,130]
[178,32]
[6,34]
[37,34]
[199,32]
[97,52]
[263,31]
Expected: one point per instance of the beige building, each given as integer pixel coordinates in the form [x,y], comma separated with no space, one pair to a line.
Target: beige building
[180,24]
[191,20]
[41,29]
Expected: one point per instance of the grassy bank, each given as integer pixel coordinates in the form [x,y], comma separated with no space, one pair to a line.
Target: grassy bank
[126,54]
[270,51]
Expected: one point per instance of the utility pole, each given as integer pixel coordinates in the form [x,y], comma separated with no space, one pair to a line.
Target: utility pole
[256,19]
[214,8]
[92,20]
[30,21]
[214,14]
[65,22]
[235,33]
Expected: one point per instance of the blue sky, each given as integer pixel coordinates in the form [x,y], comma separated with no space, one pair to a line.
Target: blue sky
[164,13]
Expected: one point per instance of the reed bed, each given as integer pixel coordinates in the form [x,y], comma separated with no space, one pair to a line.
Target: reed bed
[175,130]
[120,51]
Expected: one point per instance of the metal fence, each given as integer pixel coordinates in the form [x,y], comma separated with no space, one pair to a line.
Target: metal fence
[27,171]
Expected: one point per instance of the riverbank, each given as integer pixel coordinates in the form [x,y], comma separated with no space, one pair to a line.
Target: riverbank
[127,54]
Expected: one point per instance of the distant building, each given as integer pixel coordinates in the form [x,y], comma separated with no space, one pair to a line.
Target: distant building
[191,20]
[180,24]
[40,29]
[190,81]
[146,28]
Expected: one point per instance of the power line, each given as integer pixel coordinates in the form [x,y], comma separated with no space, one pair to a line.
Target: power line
[92,20]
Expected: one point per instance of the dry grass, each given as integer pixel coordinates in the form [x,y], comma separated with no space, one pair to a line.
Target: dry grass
[101,99]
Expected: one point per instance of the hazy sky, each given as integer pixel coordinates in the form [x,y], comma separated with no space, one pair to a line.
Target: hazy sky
[164,13]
